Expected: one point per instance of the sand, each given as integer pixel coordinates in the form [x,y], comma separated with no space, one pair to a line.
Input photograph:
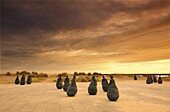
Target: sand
[135,96]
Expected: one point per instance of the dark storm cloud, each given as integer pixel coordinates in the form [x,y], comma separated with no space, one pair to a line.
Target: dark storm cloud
[26,17]
[22,17]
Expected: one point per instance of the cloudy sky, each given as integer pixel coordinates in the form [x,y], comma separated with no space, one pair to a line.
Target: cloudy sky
[107,36]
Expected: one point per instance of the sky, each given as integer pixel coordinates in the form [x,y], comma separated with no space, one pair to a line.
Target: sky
[106,36]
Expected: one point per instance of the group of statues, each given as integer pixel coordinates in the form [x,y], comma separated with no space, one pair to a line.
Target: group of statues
[22,81]
[71,88]
[151,78]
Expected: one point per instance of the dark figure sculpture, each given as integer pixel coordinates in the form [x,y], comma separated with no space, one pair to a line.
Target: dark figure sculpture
[22,82]
[160,80]
[148,81]
[17,80]
[105,84]
[154,79]
[112,92]
[135,77]
[66,83]
[92,89]
[29,79]
[59,83]
[72,88]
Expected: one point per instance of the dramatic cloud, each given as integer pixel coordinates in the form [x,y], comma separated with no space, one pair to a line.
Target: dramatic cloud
[83,35]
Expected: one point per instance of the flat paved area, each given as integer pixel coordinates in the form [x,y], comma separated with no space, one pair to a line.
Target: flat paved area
[135,96]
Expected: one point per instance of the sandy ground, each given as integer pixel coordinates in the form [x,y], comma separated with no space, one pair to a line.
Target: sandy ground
[135,96]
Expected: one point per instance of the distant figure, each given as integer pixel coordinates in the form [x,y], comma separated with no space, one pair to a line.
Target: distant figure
[22,82]
[154,79]
[149,80]
[66,83]
[160,80]
[72,89]
[29,79]
[112,92]
[17,80]
[59,83]
[105,84]
[92,89]
[135,77]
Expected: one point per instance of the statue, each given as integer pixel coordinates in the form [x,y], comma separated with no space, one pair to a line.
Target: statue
[105,84]
[22,82]
[72,88]
[135,77]
[92,89]
[112,92]
[29,79]
[148,81]
[59,83]
[17,80]
[160,80]
[66,83]
[155,79]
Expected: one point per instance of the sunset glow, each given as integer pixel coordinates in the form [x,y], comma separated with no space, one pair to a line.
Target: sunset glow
[114,36]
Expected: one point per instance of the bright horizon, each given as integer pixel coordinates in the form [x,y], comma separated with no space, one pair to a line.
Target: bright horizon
[151,67]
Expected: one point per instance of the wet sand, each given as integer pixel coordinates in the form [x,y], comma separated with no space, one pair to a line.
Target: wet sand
[135,96]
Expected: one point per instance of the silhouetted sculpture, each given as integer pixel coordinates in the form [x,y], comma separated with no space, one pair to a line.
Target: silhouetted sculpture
[72,88]
[66,83]
[105,84]
[22,82]
[154,79]
[17,80]
[59,83]
[112,92]
[148,81]
[160,80]
[92,89]
[135,77]
[29,79]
